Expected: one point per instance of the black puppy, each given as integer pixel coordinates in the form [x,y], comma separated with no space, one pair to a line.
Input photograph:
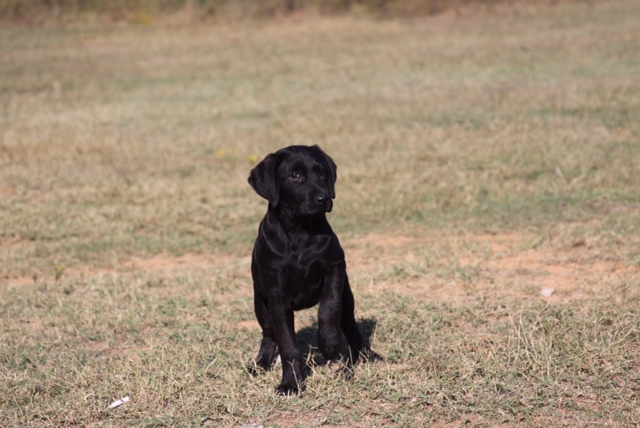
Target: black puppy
[298,262]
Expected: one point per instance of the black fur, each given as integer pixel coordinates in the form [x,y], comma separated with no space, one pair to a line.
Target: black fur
[298,262]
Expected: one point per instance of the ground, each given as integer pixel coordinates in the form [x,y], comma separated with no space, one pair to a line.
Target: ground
[487,200]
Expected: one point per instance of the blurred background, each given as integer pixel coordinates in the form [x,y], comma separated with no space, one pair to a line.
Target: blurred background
[35,11]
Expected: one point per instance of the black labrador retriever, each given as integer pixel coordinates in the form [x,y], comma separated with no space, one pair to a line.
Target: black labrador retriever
[298,262]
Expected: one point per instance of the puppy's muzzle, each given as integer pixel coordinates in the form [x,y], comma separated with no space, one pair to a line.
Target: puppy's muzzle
[324,203]
[322,199]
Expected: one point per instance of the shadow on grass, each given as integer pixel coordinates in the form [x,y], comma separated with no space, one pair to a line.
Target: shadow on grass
[307,340]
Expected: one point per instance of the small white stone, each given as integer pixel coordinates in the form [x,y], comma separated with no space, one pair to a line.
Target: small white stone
[547,292]
[119,403]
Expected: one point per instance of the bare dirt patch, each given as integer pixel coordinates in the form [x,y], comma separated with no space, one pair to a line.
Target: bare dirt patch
[162,264]
[165,262]
[505,264]
[442,268]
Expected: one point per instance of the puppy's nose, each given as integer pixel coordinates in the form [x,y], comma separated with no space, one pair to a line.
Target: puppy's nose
[322,199]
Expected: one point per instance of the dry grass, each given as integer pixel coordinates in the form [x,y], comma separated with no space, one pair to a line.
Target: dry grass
[480,159]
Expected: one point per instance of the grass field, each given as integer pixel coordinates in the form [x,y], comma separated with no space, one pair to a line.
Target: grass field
[482,157]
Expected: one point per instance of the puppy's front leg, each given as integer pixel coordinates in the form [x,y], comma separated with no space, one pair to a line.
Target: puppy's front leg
[329,312]
[292,373]
[350,326]
[268,345]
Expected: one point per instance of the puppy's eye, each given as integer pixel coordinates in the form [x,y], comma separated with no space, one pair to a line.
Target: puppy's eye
[296,175]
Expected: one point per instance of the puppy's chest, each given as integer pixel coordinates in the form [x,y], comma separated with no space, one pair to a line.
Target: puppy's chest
[305,273]
[305,261]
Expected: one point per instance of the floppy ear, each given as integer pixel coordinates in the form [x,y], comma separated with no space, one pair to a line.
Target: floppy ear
[264,178]
[333,172]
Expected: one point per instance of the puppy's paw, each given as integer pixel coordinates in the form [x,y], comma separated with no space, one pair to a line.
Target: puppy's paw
[254,370]
[330,348]
[260,366]
[367,355]
[340,369]
[288,389]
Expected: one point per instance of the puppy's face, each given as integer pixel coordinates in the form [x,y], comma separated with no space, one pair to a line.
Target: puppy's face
[300,178]
[303,179]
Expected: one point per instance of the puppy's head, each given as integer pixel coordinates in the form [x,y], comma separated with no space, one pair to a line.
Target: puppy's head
[301,178]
